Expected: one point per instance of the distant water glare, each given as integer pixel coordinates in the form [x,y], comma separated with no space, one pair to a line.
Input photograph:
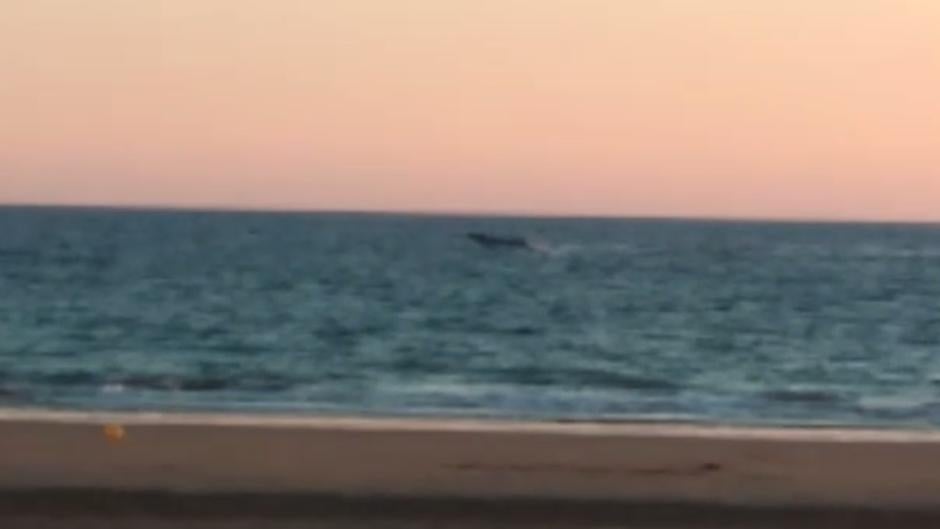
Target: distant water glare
[747,323]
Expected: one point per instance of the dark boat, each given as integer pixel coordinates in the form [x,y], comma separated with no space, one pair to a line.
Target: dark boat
[498,241]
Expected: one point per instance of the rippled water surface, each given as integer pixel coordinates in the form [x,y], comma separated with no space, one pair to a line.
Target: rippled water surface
[613,319]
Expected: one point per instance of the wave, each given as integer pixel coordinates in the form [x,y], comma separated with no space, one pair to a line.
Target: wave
[899,407]
[78,377]
[809,396]
[162,382]
[555,249]
[173,383]
[864,251]
[583,378]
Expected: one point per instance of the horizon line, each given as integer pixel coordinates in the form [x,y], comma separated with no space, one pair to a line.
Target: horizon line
[455,213]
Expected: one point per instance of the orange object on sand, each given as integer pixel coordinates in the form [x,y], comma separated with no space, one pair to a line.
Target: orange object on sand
[114,432]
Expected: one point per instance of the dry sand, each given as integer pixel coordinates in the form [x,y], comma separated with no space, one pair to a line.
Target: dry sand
[217,469]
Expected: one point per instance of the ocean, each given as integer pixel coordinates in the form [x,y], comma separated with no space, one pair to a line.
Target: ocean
[396,315]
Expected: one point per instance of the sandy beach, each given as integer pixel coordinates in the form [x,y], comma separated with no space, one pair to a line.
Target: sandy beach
[225,467]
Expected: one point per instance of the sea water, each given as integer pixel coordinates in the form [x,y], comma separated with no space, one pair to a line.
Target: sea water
[666,320]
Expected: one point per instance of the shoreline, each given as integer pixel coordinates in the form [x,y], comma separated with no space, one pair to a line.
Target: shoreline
[471,424]
[432,421]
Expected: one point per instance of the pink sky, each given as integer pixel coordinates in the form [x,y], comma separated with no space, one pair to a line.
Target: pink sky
[729,108]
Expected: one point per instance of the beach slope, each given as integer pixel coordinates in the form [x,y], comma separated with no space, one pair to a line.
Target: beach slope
[60,455]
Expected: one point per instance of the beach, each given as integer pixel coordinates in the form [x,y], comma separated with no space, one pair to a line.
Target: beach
[224,468]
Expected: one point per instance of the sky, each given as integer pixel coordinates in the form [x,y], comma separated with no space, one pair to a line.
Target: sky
[798,109]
